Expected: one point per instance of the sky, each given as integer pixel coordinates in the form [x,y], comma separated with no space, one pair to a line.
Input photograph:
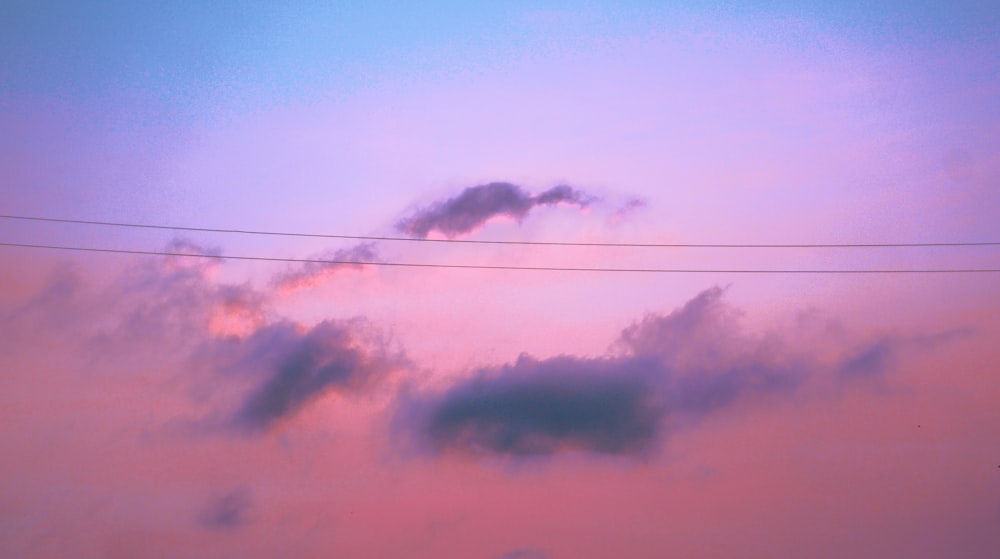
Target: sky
[179,406]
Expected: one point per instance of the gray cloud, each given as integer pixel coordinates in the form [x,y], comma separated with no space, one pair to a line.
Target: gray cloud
[542,407]
[667,370]
[292,366]
[312,274]
[478,204]
[227,511]
[875,358]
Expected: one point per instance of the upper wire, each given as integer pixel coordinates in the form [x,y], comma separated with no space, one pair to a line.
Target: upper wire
[497,242]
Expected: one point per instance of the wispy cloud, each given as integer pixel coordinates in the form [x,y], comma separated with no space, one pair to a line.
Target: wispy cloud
[192,255]
[227,511]
[312,274]
[875,358]
[476,205]
[630,206]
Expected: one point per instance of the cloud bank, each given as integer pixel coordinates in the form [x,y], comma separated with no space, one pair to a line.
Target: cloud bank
[259,371]
[478,204]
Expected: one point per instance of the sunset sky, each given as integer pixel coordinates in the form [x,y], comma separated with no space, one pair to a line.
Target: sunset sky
[178,406]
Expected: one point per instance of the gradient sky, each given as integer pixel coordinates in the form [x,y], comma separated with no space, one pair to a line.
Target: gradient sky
[174,407]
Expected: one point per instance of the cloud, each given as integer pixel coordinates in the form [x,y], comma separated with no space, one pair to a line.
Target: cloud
[542,407]
[191,255]
[291,366]
[874,359]
[629,207]
[228,511]
[158,305]
[175,300]
[664,372]
[254,368]
[312,274]
[478,204]
[704,332]
[280,365]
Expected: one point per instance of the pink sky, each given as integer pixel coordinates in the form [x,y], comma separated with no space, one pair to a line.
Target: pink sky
[156,406]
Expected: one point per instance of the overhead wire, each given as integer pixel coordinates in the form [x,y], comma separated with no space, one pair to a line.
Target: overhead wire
[499,242]
[509,267]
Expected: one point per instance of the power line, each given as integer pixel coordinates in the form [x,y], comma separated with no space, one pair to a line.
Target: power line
[523,268]
[489,242]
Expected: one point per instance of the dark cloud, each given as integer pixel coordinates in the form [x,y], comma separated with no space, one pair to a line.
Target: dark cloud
[292,366]
[478,204]
[312,274]
[668,370]
[541,407]
[228,511]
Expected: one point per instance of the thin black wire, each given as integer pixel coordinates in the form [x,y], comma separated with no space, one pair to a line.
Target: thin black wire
[531,268]
[476,241]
